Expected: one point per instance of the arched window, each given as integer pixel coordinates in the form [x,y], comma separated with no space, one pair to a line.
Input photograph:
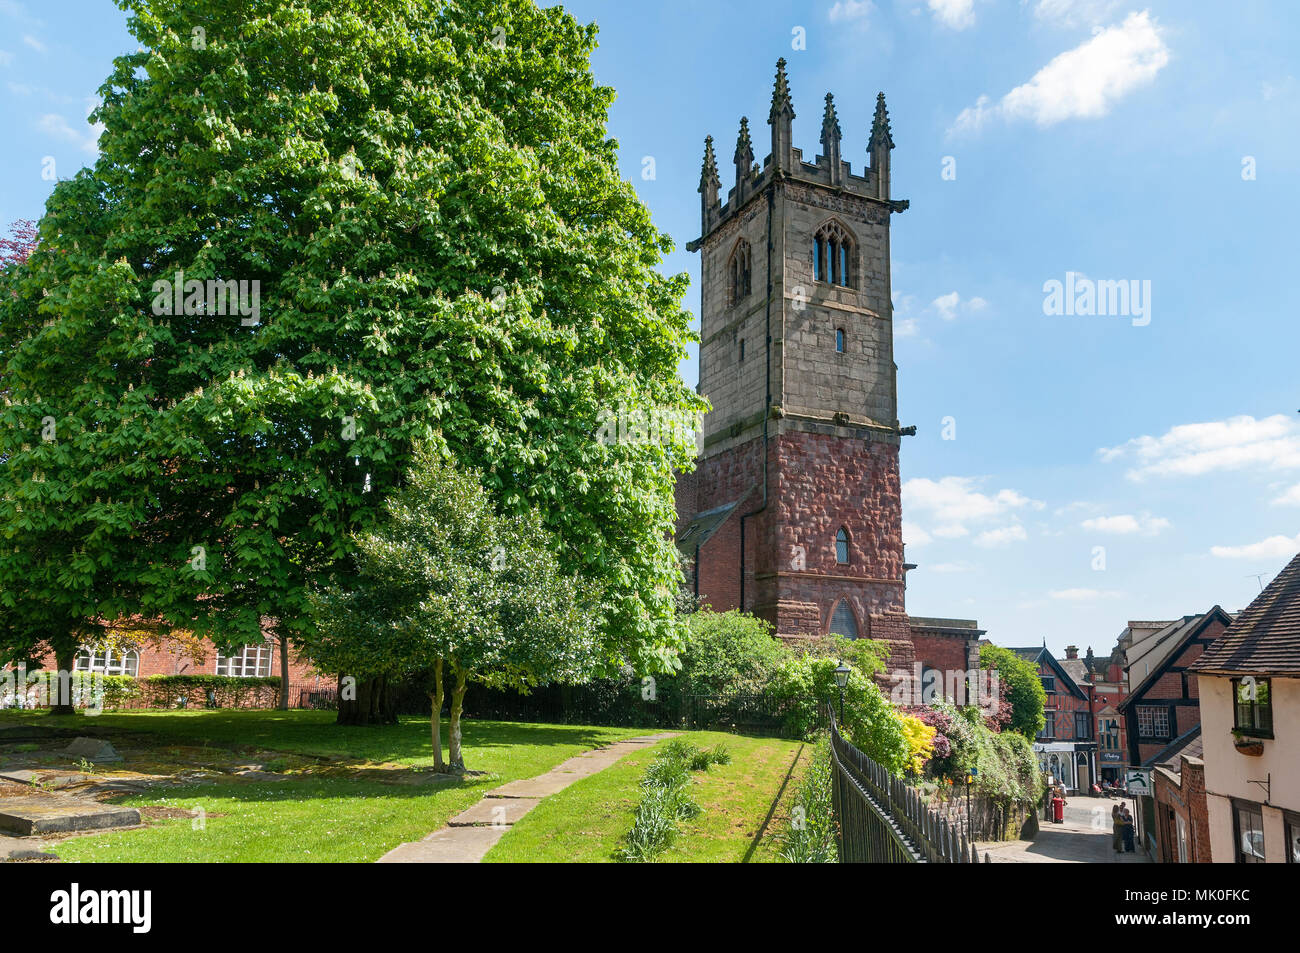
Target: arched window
[108,661]
[839,340]
[842,546]
[833,254]
[739,271]
[842,621]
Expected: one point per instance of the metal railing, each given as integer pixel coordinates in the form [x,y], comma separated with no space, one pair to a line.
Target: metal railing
[880,819]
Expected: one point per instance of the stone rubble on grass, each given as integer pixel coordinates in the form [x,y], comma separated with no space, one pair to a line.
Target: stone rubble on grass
[92,749]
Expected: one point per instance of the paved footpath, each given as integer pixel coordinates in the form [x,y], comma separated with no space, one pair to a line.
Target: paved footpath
[1083,838]
[472,833]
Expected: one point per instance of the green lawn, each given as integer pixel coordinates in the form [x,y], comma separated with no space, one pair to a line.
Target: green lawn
[745,804]
[313,817]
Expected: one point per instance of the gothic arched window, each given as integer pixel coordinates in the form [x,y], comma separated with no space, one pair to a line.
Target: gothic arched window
[833,254]
[842,546]
[842,621]
[739,272]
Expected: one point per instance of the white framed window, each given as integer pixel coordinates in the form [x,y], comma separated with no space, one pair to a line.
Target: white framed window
[108,662]
[250,661]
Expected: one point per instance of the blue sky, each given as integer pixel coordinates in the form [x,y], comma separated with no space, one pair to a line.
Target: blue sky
[1149,142]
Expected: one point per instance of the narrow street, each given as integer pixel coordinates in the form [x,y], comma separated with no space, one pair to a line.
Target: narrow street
[1083,838]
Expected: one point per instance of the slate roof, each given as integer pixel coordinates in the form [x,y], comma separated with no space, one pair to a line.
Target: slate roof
[702,526]
[1265,638]
[1077,668]
[1188,743]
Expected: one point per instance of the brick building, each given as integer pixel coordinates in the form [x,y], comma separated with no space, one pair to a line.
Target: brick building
[793,511]
[1162,721]
[1067,745]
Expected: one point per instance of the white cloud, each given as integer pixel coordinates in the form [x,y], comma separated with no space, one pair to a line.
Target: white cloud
[846,10]
[1196,449]
[951,531]
[1073,13]
[1083,595]
[1015,533]
[54,124]
[1289,497]
[954,14]
[955,500]
[1082,83]
[913,535]
[951,304]
[1275,547]
[905,328]
[950,567]
[1126,524]
[34,43]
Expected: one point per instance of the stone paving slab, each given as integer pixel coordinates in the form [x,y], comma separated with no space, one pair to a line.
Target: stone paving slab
[51,813]
[495,810]
[472,833]
[15,848]
[448,845]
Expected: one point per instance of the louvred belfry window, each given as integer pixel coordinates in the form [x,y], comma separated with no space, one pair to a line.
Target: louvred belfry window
[833,255]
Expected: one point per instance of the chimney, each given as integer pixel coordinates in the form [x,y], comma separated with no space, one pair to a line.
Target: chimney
[1071,651]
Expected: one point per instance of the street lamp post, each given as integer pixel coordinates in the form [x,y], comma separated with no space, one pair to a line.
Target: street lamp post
[842,680]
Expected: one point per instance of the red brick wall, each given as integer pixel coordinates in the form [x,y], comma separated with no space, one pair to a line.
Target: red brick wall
[1185,800]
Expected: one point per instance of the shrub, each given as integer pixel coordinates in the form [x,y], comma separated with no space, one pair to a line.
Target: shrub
[227,691]
[920,743]
[728,652]
[1003,764]
[808,681]
[1019,686]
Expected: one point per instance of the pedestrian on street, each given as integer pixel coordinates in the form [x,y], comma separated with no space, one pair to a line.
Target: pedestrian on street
[1117,829]
[1128,831]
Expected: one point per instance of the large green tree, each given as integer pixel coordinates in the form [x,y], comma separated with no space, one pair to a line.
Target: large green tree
[1019,686]
[447,586]
[443,249]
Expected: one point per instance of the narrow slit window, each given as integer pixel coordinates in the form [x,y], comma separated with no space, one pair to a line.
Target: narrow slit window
[842,546]
[839,340]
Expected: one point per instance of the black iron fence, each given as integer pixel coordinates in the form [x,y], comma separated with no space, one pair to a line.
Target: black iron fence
[880,819]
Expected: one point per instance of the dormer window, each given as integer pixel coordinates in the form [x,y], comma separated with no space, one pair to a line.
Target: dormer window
[833,254]
[740,272]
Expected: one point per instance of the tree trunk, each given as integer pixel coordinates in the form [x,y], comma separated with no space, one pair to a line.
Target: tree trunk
[455,759]
[284,672]
[61,690]
[436,700]
[373,705]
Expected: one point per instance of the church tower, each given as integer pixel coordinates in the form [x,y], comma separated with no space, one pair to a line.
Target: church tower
[793,511]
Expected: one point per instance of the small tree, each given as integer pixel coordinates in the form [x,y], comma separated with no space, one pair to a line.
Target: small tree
[447,586]
[1019,684]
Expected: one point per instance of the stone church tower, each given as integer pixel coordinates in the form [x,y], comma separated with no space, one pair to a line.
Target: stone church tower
[793,511]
